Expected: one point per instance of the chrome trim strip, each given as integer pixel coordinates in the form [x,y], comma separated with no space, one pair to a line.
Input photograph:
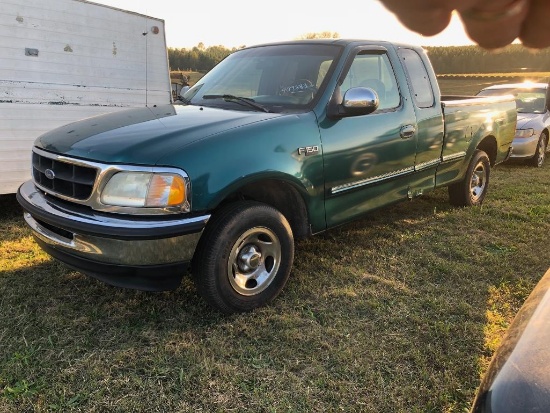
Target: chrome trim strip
[375,179]
[105,172]
[454,156]
[45,233]
[427,165]
[475,100]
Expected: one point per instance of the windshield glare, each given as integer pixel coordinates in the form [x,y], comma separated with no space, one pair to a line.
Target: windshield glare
[278,77]
[527,100]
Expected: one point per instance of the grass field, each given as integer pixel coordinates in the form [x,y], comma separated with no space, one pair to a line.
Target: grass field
[399,312]
[192,77]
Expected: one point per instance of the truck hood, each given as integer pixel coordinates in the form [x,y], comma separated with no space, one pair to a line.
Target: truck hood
[143,135]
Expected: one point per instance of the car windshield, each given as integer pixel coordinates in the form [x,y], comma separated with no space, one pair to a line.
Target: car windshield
[532,100]
[271,78]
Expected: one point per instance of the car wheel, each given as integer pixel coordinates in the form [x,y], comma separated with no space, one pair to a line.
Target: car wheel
[540,153]
[471,191]
[244,257]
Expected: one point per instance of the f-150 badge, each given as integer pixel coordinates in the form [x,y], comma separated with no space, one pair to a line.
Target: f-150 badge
[308,150]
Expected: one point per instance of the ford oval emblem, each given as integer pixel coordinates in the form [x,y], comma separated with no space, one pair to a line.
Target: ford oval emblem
[49,174]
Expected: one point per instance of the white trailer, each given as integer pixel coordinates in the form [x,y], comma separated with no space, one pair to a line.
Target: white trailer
[65,60]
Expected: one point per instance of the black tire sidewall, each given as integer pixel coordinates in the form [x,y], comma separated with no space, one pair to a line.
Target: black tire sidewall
[535,159]
[210,264]
[460,192]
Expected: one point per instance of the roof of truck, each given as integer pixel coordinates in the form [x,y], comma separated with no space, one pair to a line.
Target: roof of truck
[339,41]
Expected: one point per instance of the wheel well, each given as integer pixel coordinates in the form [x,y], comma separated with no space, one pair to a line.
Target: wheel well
[489,146]
[280,195]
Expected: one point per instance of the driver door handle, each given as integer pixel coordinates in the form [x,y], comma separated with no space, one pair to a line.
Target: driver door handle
[407,131]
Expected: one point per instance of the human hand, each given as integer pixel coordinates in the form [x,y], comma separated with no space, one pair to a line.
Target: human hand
[491,24]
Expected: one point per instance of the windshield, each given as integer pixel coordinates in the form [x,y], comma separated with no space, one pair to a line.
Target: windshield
[527,100]
[271,78]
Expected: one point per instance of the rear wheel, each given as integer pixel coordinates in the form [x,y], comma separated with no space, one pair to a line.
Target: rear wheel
[244,257]
[540,153]
[471,191]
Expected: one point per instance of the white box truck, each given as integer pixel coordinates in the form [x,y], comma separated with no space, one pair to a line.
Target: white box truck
[65,60]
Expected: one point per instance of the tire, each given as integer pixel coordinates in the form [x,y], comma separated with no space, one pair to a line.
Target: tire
[244,257]
[471,191]
[540,153]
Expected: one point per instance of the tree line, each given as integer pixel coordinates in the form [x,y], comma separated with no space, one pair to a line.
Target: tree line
[202,59]
[197,59]
[473,59]
[445,60]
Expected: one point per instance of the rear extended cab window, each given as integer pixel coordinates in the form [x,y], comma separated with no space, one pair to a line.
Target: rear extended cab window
[419,79]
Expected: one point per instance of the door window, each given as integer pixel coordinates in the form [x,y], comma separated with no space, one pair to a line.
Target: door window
[373,71]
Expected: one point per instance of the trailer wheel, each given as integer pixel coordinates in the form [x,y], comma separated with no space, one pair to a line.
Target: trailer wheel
[471,191]
[244,257]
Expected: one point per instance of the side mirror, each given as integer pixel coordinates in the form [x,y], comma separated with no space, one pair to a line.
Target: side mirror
[356,101]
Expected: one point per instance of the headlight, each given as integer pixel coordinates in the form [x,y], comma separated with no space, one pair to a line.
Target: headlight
[525,133]
[145,190]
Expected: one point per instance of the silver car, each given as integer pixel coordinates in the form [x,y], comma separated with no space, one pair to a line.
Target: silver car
[533,124]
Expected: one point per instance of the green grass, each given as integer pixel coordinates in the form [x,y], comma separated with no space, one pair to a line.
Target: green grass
[399,312]
[193,77]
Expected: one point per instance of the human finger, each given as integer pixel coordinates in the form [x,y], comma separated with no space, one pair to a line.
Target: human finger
[535,32]
[425,17]
[496,24]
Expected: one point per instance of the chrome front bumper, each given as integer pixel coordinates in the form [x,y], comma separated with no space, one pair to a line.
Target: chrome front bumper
[112,247]
[525,147]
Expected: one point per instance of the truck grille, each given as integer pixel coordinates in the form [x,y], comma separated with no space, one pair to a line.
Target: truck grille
[63,178]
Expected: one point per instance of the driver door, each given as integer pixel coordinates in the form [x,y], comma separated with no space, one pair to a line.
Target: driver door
[369,159]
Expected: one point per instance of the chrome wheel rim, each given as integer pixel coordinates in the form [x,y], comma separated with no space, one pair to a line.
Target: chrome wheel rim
[254,261]
[478,182]
[541,152]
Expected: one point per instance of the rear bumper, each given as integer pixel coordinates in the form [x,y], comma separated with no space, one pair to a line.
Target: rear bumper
[149,253]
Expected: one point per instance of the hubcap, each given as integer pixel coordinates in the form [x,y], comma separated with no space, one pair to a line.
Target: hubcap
[254,261]
[249,258]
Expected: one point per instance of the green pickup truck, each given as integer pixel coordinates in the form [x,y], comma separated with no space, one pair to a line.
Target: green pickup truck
[277,142]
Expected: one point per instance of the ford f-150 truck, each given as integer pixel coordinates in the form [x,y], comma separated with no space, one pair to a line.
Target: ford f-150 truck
[277,142]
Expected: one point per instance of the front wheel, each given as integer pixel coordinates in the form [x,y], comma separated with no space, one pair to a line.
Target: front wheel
[471,191]
[540,153]
[244,257]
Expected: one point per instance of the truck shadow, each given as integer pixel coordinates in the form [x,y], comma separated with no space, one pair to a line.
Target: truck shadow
[9,208]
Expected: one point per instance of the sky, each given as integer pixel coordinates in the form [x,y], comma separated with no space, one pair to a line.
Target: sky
[247,22]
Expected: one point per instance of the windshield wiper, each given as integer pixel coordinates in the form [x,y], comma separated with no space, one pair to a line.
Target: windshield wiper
[248,101]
